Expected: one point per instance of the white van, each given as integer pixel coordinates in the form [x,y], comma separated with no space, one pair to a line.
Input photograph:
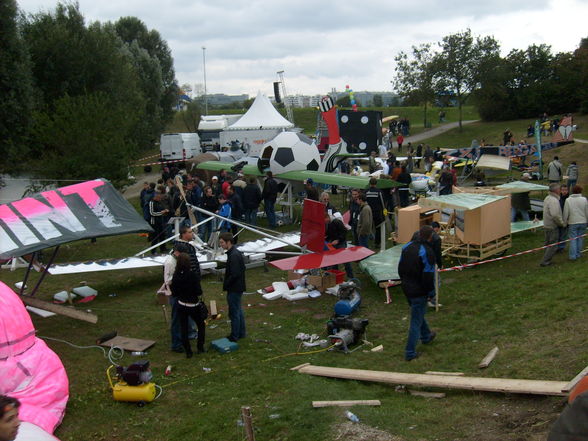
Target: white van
[177,146]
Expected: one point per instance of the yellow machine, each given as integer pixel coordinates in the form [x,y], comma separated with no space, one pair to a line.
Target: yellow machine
[133,383]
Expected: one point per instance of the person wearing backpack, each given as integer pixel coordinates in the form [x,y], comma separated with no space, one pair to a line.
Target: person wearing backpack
[554,173]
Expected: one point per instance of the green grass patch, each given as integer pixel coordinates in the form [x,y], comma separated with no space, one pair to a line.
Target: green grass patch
[536,316]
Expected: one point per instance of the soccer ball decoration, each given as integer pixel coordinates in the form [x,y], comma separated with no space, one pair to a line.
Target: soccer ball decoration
[291,151]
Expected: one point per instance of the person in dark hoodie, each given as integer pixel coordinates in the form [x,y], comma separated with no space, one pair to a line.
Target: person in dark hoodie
[251,201]
[416,269]
[185,287]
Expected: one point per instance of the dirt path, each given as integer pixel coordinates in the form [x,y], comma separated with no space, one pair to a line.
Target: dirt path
[134,190]
[433,132]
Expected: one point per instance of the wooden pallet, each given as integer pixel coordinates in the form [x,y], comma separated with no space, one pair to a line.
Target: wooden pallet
[471,252]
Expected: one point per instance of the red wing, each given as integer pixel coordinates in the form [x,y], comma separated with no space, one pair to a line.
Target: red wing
[323,259]
[312,230]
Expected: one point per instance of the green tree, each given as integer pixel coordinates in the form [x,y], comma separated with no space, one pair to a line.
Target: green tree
[16,97]
[191,116]
[415,76]
[343,101]
[86,137]
[459,66]
[132,29]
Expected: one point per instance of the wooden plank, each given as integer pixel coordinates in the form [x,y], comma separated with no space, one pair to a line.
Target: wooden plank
[568,387]
[129,343]
[421,393]
[213,310]
[295,368]
[488,358]
[378,348]
[451,374]
[58,309]
[343,403]
[505,385]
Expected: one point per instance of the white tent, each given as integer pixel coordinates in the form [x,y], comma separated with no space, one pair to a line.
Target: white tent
[262,115]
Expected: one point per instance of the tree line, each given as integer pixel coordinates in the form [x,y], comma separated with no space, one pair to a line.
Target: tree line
[523,84]
[78,100]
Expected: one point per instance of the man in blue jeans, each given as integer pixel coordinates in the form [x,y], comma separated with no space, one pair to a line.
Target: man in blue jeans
[416,269]
[234,285]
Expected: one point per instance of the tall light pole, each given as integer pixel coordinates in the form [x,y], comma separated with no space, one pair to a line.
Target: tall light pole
[204,68]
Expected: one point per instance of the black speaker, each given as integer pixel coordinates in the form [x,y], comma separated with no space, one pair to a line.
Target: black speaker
[277,92]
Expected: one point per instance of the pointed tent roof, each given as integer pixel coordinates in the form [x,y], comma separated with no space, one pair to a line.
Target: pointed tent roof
[262,114]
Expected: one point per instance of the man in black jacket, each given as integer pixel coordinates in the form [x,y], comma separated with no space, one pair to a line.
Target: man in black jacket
[336,236]
[236,209]
[234,285]
[251,201]
[376,203]
[416,269]
[269,195]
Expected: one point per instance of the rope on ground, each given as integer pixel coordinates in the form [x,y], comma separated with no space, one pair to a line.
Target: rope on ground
[496,259]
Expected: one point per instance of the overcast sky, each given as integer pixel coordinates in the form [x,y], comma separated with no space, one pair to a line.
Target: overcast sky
[326,44]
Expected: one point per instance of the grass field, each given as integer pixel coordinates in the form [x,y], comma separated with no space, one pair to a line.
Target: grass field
[306,117]
[536,316]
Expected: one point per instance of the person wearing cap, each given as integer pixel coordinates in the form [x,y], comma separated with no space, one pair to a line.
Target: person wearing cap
[336,236]
[216,186]
[9,421]
[311,191]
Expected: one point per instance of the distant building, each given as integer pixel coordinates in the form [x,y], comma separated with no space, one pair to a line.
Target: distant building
[366,99]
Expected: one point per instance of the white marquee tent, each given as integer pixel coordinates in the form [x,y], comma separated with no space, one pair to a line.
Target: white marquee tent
[261,115]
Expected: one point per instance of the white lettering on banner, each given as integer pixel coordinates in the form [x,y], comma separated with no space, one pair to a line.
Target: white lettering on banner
[86,191]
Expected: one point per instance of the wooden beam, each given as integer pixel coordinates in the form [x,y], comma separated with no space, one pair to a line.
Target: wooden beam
[488,358]
[347,403]
[451,374]
[247,423]
[568,387]
[504,385]
[295,368]
[58,309]
[421,393]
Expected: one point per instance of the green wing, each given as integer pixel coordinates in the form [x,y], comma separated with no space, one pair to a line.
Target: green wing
[248,170]
[336,179]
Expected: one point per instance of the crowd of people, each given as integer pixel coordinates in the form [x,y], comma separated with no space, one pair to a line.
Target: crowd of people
[234,198]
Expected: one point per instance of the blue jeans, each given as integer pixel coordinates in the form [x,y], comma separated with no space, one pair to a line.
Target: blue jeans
[513,214]
[576,245]
[251,216]
[176,333]
[419,329]
[270,212]
[363,241]
[236,315]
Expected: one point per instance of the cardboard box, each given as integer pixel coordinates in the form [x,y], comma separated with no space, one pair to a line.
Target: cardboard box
[293,275]
[322,282]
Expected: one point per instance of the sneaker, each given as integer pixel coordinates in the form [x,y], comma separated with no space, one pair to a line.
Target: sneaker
[431,304]
[545,264]
[414,357]
[431,338]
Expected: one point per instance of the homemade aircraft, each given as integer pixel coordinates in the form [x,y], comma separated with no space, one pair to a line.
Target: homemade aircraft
[312,237]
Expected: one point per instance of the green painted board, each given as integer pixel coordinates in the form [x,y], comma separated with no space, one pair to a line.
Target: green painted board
[249,169]
[522,187]
[336,179]
[517,227]
[459,201]
[383,266]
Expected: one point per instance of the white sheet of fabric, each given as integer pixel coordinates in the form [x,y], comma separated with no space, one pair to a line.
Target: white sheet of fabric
[32,432]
